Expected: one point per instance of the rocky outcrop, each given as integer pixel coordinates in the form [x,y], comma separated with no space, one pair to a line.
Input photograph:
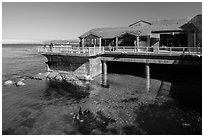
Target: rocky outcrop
[67,77]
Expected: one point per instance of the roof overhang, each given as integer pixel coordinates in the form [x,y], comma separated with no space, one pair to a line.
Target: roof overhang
[168,31]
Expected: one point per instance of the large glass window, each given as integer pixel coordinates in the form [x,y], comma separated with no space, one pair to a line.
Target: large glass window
[173,40]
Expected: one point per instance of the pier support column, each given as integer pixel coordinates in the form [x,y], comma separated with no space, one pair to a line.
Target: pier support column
[47,68]
[104,74]
[147,72]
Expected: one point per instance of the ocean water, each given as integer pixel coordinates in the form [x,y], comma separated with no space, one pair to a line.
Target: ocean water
[46,107]
[21,60]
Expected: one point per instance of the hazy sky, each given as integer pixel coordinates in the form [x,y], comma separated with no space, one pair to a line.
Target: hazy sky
[46,21]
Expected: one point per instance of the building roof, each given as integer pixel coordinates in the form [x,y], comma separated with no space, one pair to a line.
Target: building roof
[110,32]
[143,28]
[140,23]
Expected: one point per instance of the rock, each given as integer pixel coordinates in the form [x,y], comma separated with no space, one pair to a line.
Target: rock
[88,78]
[46,74]
[52,75]
[84,77]
[68,77]
[20,83]
[8,82]
[59,78]
[39,76]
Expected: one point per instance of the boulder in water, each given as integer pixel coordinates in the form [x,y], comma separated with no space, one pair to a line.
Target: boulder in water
[59,78]
[20,83]
[8,82]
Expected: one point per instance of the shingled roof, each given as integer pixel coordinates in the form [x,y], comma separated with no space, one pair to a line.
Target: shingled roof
[172,25]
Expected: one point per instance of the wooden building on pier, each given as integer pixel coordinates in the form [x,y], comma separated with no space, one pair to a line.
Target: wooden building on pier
[163,33]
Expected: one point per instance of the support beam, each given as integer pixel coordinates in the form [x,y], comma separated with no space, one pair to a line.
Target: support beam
[104,74]
[147,73]
[138,43]
[116,43]
[82,42]
[148,41]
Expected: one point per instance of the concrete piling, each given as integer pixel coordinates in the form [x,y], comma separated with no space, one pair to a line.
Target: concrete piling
[104,74]
[147,73]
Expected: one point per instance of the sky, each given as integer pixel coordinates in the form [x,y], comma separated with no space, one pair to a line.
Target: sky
[65,20]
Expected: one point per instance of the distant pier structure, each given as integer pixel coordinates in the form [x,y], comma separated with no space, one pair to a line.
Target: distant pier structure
[175,42]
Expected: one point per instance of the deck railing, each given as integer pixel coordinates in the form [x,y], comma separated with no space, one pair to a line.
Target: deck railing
[86,51]
[159,50]
[91,51]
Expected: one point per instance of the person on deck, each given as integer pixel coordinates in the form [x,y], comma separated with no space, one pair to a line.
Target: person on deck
[51,46]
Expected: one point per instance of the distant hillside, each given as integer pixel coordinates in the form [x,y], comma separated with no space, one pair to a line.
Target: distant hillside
[62,41]
[17,41]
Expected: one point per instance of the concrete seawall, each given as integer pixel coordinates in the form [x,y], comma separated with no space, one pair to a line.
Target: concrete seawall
[79,65]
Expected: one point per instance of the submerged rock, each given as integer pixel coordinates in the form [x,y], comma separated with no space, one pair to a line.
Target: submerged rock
[20,83]
[8,82]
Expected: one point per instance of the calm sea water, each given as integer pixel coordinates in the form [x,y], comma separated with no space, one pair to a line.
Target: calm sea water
[21,60]
[44,107]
